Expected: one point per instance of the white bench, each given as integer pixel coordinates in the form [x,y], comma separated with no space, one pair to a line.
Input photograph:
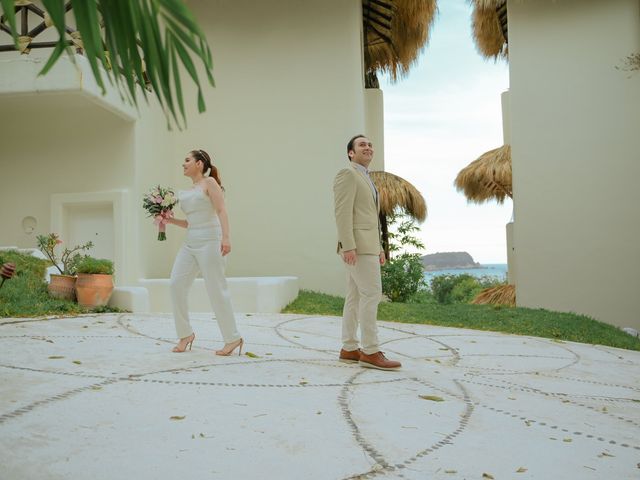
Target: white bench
[248,294]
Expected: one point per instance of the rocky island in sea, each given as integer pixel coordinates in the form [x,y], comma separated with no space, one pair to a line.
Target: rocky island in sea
[449,260]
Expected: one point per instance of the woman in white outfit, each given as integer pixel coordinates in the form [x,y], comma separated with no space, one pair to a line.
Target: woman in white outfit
[206,244]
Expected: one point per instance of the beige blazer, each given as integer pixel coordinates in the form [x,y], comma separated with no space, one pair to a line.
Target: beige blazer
[356,213]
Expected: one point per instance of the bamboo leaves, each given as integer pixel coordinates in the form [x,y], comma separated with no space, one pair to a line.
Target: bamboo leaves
[146,43]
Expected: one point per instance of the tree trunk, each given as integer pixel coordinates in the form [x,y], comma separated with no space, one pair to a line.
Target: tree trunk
[385,235]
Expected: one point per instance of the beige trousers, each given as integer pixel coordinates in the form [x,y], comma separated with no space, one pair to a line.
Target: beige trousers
[364,292]
[201,252]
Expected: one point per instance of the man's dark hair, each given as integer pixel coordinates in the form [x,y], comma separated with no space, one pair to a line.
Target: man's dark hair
[351,142]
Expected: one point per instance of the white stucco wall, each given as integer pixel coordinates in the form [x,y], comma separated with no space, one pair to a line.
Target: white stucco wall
[62,140]
[575,143]
[289,94]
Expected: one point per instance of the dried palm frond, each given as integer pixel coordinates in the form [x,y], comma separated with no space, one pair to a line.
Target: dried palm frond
[489,32]
[502,295]
[488,177]
[488,3]
[396,192]
[395,33]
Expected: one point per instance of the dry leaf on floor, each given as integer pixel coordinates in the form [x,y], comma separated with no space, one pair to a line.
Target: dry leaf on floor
[178,417]
[450,471]
[488,476]
[433,398]
[77,362]
[521,470]
[56,357]
[567,440]
[605,454]
[251,355]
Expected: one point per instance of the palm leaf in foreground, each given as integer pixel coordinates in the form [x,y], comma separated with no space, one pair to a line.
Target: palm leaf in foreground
[133,42]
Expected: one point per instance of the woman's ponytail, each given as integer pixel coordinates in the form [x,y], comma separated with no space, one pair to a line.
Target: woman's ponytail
[202,156]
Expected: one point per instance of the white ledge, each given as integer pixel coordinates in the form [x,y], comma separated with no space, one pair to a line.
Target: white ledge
[248,294]
[20,77]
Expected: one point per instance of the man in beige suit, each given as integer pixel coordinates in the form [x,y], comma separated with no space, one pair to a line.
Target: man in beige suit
[356,210]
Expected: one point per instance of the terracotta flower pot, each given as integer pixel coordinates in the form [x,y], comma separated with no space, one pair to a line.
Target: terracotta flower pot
[93,289]
[62,286]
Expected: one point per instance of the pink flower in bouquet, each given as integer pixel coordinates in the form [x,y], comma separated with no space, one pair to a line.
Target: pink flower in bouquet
[159,203]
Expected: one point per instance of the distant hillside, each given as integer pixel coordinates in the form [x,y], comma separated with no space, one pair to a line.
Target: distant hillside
[447,260]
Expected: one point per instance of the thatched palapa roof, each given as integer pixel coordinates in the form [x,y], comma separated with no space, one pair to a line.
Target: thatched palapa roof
[488,177]
[395,192]
[489,21]
[395,32]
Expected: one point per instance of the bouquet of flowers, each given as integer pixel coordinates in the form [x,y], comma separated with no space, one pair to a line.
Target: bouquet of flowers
[159,203]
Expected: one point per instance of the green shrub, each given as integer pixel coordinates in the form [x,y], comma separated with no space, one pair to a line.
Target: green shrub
[26,293]
[461,288]
[402,277]
[70,256]
[95,266]
[422,297]
[442,285]
[465,290]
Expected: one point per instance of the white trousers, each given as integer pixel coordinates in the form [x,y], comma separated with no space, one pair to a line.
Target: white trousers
[202,254]
[364,292]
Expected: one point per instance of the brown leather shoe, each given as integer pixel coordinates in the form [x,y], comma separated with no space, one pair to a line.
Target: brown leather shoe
[347,356]
[379,361]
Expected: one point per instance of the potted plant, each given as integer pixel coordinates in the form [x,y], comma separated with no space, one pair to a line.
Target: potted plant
[95,281]
[62,285]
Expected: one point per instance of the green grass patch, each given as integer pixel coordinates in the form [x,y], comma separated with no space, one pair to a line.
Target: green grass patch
[519,321]
[25,295]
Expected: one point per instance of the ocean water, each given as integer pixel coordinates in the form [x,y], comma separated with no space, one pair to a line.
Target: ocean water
[491,269]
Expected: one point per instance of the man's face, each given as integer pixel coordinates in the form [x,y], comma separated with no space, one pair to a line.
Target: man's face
[362,152]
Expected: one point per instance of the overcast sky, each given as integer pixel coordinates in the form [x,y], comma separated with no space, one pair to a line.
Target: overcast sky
[440,118]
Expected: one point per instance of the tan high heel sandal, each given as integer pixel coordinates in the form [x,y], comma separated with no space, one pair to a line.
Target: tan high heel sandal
[189,340]
[230,347]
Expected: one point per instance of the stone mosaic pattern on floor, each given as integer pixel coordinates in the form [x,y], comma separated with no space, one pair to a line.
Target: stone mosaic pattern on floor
[103,397]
